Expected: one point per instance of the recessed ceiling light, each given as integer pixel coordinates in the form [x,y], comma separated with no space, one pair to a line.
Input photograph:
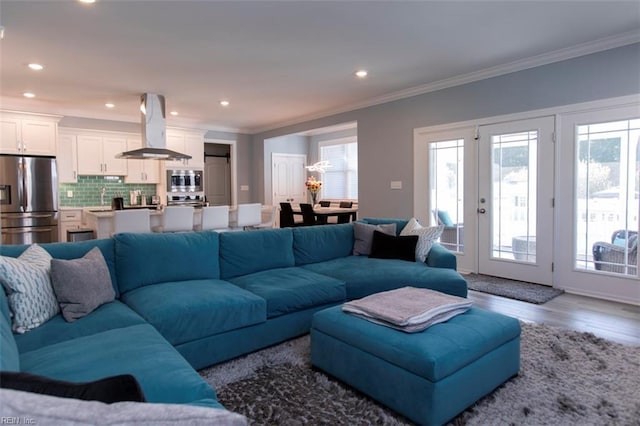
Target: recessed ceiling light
[36,67]
[224,103]
[110,105]
[87,1]
[28,95]
[361,73]
[174,113]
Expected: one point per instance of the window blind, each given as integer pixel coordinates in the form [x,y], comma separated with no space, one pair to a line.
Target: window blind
[340,181]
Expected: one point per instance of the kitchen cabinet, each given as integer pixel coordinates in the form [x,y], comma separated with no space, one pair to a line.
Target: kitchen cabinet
[28,134]
[67,158]
[69,219]
[97,154]
[141,171]
[186,142]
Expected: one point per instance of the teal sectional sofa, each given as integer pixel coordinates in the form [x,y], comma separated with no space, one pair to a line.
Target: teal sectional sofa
[189,300]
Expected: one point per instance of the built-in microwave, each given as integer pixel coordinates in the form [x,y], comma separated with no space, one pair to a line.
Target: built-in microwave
[184,180]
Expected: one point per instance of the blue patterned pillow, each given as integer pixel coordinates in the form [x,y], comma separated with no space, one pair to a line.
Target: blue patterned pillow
[27,281]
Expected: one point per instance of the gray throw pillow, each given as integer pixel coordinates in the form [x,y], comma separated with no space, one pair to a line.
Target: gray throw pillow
[81,285]
[363,236]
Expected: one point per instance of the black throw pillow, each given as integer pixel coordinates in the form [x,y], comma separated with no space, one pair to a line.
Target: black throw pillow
[386,246]
[120,388]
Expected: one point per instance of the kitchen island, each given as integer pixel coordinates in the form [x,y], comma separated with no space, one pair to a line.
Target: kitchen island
[101,219]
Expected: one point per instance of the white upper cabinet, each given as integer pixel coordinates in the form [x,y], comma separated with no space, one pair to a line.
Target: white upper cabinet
[27,134]
[141,171]
[186,142]
[67,159]
[97,154]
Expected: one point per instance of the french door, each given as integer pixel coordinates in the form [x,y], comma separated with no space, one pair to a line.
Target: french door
[515,200]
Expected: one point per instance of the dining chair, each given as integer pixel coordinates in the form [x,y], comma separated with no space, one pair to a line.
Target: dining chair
[308,215]
[249,215]
[345,217]
[136,221]
[176,219]
[214,218]
[287,219]
[325,203]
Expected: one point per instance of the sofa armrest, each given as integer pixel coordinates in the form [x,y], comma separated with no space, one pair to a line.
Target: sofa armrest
[440,257]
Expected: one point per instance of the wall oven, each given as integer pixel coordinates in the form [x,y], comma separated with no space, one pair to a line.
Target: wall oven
[184,181]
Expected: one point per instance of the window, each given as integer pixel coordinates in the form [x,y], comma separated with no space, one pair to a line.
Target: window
[607,185]
[340,181]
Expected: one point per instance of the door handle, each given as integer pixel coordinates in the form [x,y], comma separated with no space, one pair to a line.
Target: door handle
[482,211]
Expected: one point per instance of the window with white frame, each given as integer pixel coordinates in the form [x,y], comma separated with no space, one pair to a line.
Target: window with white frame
[340,180]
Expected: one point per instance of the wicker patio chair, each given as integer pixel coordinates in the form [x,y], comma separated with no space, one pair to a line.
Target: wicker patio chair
[610,257]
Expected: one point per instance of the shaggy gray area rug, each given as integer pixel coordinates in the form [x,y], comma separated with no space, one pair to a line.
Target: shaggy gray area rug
[566,377]
[519,290]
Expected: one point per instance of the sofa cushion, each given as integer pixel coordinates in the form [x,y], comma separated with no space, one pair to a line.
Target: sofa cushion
[294,289]
[184,311]
[107,317]
[81,285]
[138,350]
[49,410]
[73,251]
[313,244]
[365,276]
[243,253]
[27,281]
[145,259]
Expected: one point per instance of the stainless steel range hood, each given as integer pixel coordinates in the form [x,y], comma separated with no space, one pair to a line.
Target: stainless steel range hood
[154,137]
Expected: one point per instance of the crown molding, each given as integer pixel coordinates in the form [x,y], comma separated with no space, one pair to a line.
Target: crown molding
[519,65]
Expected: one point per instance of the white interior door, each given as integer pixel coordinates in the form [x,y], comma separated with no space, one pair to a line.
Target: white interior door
[217,181]
[288,178]
[515,200]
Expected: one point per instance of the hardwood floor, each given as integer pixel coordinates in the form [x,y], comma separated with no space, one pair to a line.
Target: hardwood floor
[611,320]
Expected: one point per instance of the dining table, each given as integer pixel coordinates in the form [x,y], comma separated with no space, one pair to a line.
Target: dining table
[323,213]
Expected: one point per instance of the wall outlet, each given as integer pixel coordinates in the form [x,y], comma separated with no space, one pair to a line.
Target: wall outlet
[244,187]
[69,194]
[396,184]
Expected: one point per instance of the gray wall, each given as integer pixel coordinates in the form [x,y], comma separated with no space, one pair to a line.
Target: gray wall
[385,132]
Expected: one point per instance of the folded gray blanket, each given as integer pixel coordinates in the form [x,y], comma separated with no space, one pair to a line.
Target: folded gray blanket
[408,309]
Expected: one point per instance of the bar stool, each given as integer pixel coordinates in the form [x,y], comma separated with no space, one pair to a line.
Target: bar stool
[249,215]
[214,218]
[135,221]
[176,219]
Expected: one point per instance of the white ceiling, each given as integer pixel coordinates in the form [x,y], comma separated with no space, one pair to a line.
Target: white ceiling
[280,62]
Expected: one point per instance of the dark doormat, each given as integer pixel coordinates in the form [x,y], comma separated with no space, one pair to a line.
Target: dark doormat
[519,290]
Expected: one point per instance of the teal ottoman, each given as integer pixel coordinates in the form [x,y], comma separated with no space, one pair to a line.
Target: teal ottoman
[429,377]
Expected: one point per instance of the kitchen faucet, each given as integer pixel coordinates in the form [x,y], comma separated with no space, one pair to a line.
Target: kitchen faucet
[102,194]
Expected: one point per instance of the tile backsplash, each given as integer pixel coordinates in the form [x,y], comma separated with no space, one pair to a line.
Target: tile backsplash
[87,191]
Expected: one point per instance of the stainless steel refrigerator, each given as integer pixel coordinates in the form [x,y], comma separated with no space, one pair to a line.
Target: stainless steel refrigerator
[28,199]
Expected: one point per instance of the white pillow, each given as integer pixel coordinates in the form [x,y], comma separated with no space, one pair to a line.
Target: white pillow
[27,282]
[426,237]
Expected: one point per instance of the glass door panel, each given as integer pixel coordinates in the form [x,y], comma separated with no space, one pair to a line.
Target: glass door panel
[513,199]
[446,191]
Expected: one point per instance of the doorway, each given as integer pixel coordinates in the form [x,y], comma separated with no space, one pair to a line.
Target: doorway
[220,172]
